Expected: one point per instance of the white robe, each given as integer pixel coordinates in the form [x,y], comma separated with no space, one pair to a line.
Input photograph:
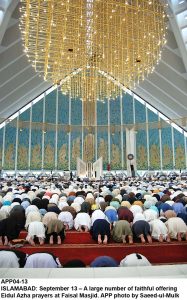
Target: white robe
[8,259]
[42,260]
[82,219]
[97,214]
[136,209]
[150,215]
[36,229]
[175,225]
[62,204]
[31,208]
[31,217]
[134,260]
[158,228]
[67,218]
[139,217]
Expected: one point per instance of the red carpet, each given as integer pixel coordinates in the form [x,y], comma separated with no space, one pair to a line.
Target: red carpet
[81,246]
[72,237]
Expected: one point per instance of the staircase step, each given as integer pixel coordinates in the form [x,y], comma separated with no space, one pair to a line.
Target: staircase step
[72,237]
[157,253]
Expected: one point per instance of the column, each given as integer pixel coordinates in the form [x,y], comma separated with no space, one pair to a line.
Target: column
[30,136]
[147,133]
[56,132]
[173,146]
[122,144]
[43,132]
[109,146]
[131,149]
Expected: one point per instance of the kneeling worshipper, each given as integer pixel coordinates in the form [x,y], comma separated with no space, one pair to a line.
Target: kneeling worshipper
[74,263]
[125,214]
[36,230]
[97,214]
[159,230]
[111,214]
[55,232]
[121,231]
[141,228]
[42,260]
[183,216]
[134,260]
[178,208]
[100,231]
[31,217]
[49,216]
[12,259]
[67,219]
[82,222]
[103,261]
[177,228]
[10,227]
[31,208]
[71,210]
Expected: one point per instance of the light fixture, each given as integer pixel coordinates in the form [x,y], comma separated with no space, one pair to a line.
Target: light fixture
[91,48]
[76,40]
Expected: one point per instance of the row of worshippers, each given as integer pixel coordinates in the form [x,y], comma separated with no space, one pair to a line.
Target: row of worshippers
[124,212]
[19,259]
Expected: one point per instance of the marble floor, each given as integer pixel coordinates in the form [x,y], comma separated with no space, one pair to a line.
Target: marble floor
[161,271]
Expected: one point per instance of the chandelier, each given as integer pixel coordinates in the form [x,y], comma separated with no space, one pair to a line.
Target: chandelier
[92,47]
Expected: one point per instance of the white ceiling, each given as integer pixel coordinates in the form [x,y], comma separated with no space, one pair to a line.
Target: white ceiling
[165,89]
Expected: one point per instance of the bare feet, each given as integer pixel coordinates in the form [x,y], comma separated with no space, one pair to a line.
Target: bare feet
[130,239]
[59,241]
[142,238]
[99,240]
[179,238]
[105,241]
[1,240]
[66,226]
[80,228]
[86,228]
[51,240]
[124,239]
[168,239]
[31,241]
[41,241]
[149,238]
[161,238]
[5,241]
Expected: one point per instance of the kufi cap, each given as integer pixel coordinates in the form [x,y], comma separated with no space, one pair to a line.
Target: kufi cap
[76,206]
[126,204]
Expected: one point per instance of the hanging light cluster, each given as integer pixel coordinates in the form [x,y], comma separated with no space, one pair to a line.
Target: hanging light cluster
[91,47]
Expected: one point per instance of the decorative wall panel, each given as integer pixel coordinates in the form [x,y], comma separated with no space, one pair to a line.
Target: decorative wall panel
[167,155]
[53,138]
[141,137]
[76,135]
[102,133]
[23,141]
[50,131]
[179,150]
[63,135]
[36,136]
[10,146]
[154,145]
[127,109]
